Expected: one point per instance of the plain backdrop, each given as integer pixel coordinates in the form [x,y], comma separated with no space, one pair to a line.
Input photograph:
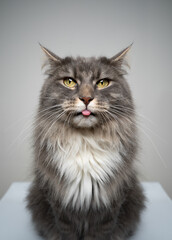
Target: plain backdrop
[87,28]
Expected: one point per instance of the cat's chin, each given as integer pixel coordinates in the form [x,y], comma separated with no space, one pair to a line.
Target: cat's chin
[85,122]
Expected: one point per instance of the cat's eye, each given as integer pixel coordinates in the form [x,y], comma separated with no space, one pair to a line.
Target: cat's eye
[69,82]
[103,83]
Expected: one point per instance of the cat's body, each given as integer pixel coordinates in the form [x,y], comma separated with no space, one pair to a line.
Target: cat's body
[85,185]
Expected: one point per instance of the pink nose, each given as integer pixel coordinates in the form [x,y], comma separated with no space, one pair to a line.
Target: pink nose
[86,100]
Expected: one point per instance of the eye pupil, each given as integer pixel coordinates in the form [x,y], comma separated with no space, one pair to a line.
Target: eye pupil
[69,82]
[103,83]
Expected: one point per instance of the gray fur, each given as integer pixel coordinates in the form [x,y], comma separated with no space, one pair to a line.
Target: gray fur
[118,219]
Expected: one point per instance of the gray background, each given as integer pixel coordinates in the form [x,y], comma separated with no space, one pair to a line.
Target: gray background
[86,28]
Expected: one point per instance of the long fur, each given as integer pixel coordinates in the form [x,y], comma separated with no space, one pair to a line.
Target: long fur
[85,184]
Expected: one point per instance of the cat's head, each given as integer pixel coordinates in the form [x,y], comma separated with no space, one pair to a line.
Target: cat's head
[85,92]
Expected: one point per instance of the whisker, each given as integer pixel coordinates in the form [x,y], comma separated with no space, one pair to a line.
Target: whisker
[138,121]
[69,117]
[53,98]
[29,126]
[155,148]
[58,117]
[112,116]
[51,124]
[48,108]
[125,116]
[105,117]
[133,111]
[32,125]
[29,115]
[46,120]
[140,127]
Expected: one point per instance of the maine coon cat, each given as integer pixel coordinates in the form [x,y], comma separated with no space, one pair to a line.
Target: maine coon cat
[85,143]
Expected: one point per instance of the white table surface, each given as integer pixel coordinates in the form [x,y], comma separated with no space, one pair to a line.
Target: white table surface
[15,220]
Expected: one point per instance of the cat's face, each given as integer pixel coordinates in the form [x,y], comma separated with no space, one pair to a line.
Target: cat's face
[85,92]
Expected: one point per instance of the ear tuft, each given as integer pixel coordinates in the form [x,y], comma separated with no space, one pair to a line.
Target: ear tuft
[50,55]
[121,55]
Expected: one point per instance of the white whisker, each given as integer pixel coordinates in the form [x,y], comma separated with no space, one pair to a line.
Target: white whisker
[155,148]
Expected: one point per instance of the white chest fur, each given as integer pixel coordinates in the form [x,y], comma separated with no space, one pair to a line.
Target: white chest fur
[86,162]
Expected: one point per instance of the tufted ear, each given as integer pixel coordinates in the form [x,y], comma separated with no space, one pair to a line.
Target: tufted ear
[50,55]
[120,58]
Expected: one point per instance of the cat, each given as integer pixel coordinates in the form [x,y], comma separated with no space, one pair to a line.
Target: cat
[85,184]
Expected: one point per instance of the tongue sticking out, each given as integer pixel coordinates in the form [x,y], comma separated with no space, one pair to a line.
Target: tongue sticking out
[86,113]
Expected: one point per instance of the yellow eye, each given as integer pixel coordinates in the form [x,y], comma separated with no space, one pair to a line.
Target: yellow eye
[69,82]
[103,83]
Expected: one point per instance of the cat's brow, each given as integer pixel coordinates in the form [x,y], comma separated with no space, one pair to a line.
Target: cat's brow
[63,76]
[108,76]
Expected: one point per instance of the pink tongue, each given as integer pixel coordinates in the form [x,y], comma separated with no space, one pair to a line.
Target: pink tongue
[86,112]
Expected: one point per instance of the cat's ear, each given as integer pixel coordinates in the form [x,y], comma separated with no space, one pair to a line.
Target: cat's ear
[120,59]
[51,57]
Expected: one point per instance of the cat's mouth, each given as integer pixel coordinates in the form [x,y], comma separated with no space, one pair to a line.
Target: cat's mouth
[85,119]
[85,113]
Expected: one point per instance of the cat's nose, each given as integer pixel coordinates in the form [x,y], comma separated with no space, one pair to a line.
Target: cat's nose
[86,100]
